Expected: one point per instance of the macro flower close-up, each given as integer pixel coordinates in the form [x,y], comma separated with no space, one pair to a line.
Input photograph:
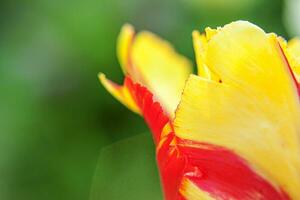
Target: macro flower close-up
[231,131]
[150,100]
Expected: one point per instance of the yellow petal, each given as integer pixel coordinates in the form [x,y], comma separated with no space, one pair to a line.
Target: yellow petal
[200,45]
[160,68]
[242,54]
[255,111]
[294,46]
[124,42]
[155,64]
[210,32]
[120,92]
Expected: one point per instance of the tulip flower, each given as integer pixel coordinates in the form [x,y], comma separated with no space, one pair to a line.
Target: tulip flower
[231,132]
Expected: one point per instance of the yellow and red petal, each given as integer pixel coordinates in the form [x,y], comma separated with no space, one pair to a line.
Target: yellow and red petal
[140,100]
[121,92]
[223,174]
[254,112]
[232,139]
[150,109]
[191,191]
[192,170]
[155,64]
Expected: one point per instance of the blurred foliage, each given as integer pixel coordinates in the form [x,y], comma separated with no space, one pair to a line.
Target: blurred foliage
[55,117]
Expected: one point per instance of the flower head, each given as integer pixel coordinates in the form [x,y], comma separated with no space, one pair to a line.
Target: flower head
[230,132]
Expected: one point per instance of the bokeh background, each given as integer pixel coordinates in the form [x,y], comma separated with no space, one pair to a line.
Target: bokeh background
[55,117]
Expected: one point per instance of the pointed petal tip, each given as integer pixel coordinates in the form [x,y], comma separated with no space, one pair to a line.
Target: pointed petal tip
[101,76]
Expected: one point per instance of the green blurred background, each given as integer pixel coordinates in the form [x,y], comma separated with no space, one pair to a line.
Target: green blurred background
[54,115]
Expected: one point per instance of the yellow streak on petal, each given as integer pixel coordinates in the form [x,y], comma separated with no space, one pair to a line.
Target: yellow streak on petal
[255,111]
[166,130]
[160,68]
[191,192]
[123,47]
[120,92]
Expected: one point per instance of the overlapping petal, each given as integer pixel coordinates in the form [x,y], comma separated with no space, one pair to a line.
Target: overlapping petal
[154,63]
[254,111]
[200,46]
[235,134]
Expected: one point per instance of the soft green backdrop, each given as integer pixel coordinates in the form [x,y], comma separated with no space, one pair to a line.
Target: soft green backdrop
[54,115]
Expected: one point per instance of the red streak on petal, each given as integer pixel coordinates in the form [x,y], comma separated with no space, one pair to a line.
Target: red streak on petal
[290,69]
[151,111]
[218,171]
[171,165]
[225,174]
